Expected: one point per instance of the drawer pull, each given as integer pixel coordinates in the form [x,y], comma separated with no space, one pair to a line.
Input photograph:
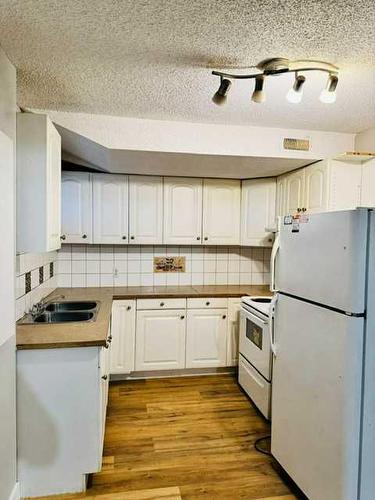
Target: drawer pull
[128,308]
[124,237]
[207,303]
[104,377]
[132,237]
[84,236]
[161,304]
[182,317]
[205,238]
[224,316]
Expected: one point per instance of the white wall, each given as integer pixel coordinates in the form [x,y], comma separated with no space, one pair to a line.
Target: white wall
[365,141]
[7,275]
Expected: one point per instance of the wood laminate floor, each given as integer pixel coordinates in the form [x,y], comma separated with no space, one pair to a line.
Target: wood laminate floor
[183,438]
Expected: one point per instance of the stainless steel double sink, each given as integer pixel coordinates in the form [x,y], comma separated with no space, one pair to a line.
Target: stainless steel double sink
[64,312]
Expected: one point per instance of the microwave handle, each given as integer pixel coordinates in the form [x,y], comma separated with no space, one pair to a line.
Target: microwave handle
[272,322]
[275,250]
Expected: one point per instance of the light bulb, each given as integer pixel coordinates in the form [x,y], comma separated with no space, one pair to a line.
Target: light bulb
[220,96]
[328,95]
[294,95]
[259,95]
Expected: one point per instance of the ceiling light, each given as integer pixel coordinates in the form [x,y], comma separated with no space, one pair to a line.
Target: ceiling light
[294,95]
[220,96]
[259,95]
[328,95]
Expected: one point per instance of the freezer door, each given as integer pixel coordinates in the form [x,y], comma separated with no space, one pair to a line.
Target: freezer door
[324,259]
[316,398]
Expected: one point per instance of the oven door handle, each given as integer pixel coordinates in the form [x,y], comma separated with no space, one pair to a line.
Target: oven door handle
[272,322]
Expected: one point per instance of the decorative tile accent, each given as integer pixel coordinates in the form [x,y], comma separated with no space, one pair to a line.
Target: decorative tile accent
[169,264]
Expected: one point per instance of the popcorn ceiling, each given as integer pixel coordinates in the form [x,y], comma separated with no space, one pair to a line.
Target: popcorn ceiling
[153,58]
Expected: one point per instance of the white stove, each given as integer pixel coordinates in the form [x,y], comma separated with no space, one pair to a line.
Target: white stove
[255,360]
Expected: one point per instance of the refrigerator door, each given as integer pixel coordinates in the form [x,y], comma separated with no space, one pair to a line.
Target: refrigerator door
[316,398]
[324,259]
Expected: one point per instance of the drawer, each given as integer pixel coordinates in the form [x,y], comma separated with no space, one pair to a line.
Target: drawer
[144,304]
[256,387]
[207,303]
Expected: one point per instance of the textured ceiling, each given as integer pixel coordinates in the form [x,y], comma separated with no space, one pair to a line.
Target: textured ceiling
[152,58]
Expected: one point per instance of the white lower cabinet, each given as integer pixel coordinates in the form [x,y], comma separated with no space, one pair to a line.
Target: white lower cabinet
[234,306]
[160,340]
[123,337]
[206,339]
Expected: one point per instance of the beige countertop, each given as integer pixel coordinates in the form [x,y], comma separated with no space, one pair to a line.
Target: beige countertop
[86,334]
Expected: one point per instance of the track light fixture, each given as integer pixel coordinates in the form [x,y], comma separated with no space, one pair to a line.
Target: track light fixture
[276,67]
[220,95]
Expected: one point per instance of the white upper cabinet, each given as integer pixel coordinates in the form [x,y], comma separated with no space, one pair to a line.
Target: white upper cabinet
[258,212]
[368,184]
[316,187]
[182,211]
[38,184]
[206,338]
[123,336]
[221,211]
[294,191]
[344,185]
[110,208]
[76,207]
[145,209]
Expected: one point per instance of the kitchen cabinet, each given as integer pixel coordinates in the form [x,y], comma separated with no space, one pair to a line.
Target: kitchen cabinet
[294,191]
[206,338]
[145,209]
[258,206]
[110,208]
[316,188]
[38,158]
[76,207]
[221,211]
[344,185]
[123,336]
[160,339]
[182,211]
[234,307]
[368,184]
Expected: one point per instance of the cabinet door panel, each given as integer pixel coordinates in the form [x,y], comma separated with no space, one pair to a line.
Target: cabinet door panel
[281,196]
[145,209]
[295,183]
[221,211]
[123,337]
[258,212]
[344,185]
[76,207]
[206,339]
[160,340]
[110,208]
[182,211]
[316,187]
[368,184]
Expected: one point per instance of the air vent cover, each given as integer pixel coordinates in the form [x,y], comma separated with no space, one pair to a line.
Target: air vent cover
[297,144]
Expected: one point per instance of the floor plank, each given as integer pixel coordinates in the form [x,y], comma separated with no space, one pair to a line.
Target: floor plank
[188,438]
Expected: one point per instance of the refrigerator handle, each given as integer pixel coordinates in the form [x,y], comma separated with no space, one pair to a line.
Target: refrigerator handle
[272,322]
[275,250]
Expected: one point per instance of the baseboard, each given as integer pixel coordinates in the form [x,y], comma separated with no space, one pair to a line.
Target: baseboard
[15,495]
[187,372]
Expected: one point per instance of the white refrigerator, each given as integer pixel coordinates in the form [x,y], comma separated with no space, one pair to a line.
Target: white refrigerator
[323,394]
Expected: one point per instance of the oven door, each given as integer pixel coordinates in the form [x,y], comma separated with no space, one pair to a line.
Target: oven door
[255,342]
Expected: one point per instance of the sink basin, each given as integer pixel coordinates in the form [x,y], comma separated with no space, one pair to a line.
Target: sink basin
[63,317]
[70,306]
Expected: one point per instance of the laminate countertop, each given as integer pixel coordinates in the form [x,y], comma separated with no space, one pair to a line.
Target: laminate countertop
[95,333]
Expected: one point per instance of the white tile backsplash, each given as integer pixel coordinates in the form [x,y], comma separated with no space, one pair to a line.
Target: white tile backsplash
[117,265]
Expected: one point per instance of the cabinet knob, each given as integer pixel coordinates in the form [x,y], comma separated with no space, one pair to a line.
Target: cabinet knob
[124,237]
[182,317]
[207,303]
[104,377]
[205,238]
[198,238]
[63,237]
[128,308]
[132,237]
[161,304]
[84,236]
[224,316]
[110,338]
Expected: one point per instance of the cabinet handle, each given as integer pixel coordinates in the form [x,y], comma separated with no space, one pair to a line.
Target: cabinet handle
[128,308]
[110,338]
[224,316]
[84,236]
[207,303]
[205,238]
[107,345]
[198,238]
[63,237]
[132,237]
[161,304]
[104,377]
[182,317]
[124,237]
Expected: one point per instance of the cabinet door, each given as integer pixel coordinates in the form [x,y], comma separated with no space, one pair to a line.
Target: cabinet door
[258,212]
[316,187]
[182,211]
[281,196]
[145,209]
[76,207]
[110,208]
[294,195]
[234,306]
[123,336]
[368,184]
[345,181]
[53,186]
[221,211]
[206,338]
[160,340]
